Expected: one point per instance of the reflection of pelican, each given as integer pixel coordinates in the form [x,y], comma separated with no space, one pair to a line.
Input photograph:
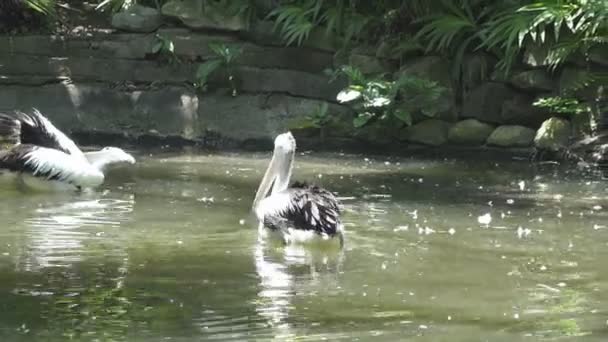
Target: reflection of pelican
[60,235]
[292,272]
[300,212]
[80,272]
[47,157]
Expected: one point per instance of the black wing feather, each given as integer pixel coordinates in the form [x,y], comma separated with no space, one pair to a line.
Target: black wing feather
[34,131]
[311,208]
[10,131]
[15,160]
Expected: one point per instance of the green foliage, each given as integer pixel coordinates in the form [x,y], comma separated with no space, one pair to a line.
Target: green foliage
[503,28]
[562,105]
[295,20]
[224,58]
[46,7]
[377,98]
[581,79]
[453,28]
[163,44]
[320,117]
[165,49]
[563,26]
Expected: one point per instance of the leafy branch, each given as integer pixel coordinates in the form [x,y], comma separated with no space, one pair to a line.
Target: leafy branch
[224,58]
[165,48]
[377,98]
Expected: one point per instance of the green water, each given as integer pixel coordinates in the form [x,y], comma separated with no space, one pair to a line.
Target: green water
[167,251]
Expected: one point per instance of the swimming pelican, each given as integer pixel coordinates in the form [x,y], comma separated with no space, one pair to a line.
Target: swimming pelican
[298,213]
[42,156]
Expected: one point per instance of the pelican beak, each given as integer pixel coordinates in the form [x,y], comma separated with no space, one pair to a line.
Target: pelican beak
[267,182]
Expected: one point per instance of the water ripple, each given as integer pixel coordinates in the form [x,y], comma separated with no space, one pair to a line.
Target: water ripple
[60,235]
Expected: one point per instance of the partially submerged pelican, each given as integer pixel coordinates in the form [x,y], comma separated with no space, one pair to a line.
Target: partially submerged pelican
[298,213]
[42,156]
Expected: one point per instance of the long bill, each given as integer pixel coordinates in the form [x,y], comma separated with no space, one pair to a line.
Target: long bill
[269,177]
[102,159]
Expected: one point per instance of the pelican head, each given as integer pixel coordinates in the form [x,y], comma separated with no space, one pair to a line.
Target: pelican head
[118,155]
[279,170]
[107,156]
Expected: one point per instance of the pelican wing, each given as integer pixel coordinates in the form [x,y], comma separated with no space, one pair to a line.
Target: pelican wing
[305,208]
[10,131]
[50,164]
[37,130]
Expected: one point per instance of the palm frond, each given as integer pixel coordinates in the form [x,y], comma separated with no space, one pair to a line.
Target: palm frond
[46,7]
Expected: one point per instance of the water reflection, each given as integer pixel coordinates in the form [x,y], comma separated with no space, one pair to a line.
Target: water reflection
[289,272]
[70,265]
[60,235]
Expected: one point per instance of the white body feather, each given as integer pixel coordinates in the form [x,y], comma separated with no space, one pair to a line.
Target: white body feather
[72,170]
[298,236]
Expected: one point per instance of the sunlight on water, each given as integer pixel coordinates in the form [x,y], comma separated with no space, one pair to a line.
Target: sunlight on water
[435,250]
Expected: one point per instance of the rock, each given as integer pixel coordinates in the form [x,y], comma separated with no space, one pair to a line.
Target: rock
[435,69]
[431,67]
[127,46]
[291,82]
[95,69]
[429,132]
[386,50]
[366,64]
[511,136]
[262,32]
[476,69]
[264,6]
[381,132]
[261,116]
[520,110]
[319,39]
[572,77]
[171,110]
[599,55]
[291,58]
[137,19]
[30,45]
[532,80]
[469,132]
[553,134]
[203,15]
[485,102]
[194,46]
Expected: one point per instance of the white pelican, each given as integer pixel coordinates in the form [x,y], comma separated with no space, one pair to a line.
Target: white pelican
[298,213]
[34,149]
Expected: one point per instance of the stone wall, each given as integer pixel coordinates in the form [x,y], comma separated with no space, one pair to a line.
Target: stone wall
[109,81]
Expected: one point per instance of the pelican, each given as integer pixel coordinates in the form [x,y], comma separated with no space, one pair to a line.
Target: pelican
[299,213]
[43,157]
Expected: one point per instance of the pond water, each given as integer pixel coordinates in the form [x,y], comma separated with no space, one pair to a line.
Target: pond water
[436,250]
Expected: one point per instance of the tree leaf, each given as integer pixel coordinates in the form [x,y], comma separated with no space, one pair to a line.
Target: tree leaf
[404,116]
[156,48]
[206,69]
[362,119]
[348,95]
